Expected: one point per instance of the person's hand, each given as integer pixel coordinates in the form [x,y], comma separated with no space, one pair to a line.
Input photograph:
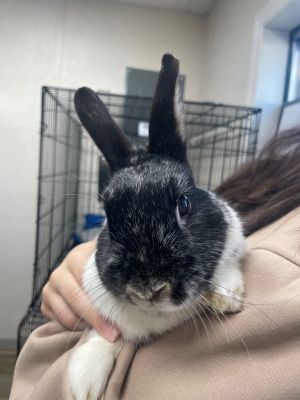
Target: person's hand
[63,299]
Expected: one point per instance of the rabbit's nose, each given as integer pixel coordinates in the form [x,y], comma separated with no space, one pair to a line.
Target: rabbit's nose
[151,294]
[156,292]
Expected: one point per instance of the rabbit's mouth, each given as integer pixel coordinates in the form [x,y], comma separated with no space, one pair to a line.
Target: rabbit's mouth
[162,307]
[157,300]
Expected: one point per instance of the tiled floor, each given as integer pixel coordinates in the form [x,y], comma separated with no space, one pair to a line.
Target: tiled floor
[7,364]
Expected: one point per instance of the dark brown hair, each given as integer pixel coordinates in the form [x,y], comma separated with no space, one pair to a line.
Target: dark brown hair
[268,187]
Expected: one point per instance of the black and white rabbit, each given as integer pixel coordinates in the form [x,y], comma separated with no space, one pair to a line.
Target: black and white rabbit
[166,247]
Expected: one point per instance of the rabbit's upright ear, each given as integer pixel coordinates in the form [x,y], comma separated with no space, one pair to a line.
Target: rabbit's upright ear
[164,127]
[109,138]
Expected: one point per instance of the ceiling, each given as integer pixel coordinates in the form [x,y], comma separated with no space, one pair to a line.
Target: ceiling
[288,18]
[200,7]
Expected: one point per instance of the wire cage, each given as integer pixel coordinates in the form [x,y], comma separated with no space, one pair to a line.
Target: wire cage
[71,172]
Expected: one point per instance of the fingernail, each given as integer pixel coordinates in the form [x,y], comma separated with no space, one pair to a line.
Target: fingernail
[113,333]
[110,332]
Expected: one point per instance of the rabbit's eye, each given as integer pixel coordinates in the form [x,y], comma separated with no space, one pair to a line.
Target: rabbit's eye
[183,205]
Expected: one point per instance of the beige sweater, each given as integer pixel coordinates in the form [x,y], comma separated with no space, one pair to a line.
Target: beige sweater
[253,355]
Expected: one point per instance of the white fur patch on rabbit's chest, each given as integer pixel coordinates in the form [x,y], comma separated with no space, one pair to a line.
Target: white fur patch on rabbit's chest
[92,362]
[135,324]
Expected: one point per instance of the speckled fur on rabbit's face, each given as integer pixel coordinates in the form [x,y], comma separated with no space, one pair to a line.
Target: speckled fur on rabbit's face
[164,238]
[154,256]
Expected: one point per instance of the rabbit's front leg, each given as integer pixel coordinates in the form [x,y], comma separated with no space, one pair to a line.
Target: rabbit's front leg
[227,290]
[90,365]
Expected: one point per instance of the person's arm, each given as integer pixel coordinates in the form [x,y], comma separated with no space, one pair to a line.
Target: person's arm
[64,300]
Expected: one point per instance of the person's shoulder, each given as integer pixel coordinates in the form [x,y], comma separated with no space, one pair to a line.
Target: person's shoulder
[282,237]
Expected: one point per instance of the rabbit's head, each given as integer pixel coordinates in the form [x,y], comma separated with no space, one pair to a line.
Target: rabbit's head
[164,238]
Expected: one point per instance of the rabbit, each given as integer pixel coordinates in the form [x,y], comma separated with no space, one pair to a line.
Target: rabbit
[166,246]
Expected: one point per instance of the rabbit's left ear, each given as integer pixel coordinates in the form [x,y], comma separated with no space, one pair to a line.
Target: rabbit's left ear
[164,127]
[109,138]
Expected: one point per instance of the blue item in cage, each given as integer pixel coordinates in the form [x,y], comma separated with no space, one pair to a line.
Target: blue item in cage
[76,239]
[93,221]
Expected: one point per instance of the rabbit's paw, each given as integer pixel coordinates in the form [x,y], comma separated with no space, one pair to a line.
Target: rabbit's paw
[90,366]
[226,295]
[225,301]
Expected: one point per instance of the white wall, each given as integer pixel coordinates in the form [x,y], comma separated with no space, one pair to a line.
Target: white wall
[69,44]
[267,83]
[229,32]
[246,48]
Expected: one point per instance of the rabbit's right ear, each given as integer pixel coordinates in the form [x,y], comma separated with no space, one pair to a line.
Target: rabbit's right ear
[109,138]
[164,126]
